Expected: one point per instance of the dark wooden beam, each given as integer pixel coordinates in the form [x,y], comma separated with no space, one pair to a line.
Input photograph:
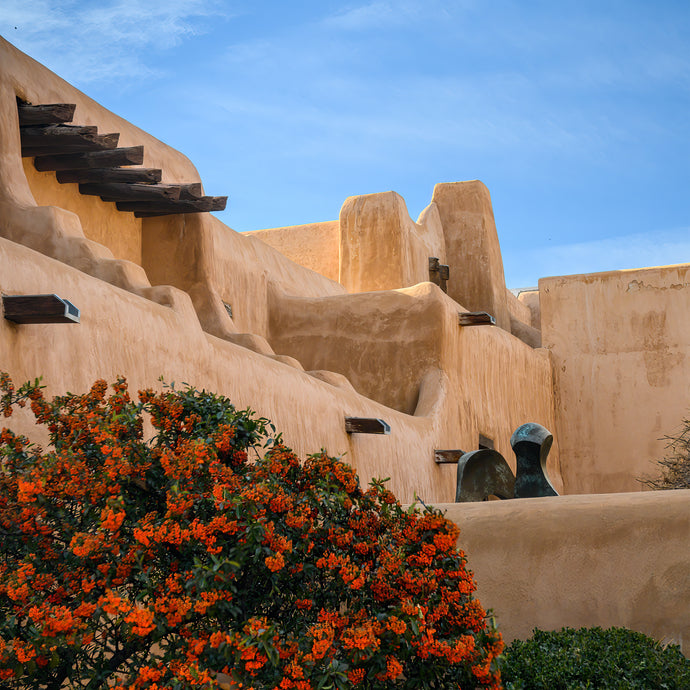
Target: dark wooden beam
[120,191]
[192,191]
[366,425]
[39,309]
[106,175]
[38,136]
[476,318]
[54,113]
[144,209]
[442,457]
[132,155]
[100,142]
[485,442]
[438,273]
[134,192]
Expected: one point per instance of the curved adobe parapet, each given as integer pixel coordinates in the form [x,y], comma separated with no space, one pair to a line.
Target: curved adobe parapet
[187,251]
[531,444]
[381,247]
[315,246]
[472,249]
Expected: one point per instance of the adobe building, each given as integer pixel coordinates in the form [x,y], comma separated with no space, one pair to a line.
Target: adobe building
[368,322]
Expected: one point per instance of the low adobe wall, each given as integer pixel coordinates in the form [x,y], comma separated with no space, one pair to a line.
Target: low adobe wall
[582,561]
[314,245]
[620,343]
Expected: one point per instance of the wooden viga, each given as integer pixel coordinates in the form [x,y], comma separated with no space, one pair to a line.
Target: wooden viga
[95,162]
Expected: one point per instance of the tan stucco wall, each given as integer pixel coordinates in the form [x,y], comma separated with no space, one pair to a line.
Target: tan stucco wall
[100,220]
[315,246]
[121,333]
[620,343]
[530,298]
[382,248]
[55,230]
[198,253]
[387,342]
[603,560]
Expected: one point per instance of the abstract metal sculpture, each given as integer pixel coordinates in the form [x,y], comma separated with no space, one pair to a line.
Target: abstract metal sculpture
[531,444]
[483,473]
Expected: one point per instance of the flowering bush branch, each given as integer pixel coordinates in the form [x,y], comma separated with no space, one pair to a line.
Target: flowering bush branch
[181,562]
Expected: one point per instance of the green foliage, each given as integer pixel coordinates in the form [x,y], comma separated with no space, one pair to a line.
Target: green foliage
[211,556]
[593,658]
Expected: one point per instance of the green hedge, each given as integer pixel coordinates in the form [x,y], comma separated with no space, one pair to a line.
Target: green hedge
[593,658]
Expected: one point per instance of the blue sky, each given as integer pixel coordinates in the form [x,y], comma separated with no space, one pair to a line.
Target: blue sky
[576,115]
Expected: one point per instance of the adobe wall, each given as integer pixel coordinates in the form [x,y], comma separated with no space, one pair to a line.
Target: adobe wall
[314,246]
[386,342]
[98,218]
[582,561]
[198,253]
[122,333]
[472,248]
[620,343]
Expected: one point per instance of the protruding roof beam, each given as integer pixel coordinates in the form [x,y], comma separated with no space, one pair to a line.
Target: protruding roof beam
[118,191]
[476,318]
[60,142]
[144,209]
[366,425]
[39,309]
[132,155]
[108,175]
[50,114]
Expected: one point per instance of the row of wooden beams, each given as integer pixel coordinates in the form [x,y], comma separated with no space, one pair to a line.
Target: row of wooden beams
[56,113]
[130,155]
[81,155]
[111,175]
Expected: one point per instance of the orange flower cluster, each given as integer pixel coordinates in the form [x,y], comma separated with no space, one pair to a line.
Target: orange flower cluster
[159,563]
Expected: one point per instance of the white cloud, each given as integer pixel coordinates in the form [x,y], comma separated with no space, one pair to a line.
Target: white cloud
[87,42]
[372,15]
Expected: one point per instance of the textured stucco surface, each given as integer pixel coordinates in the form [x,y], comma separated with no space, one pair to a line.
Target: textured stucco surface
[121,333]
[314,246]
[581,561]
[98,218]
[620,343]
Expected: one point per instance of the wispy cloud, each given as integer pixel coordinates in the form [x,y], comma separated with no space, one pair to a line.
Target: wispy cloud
[656,248]
[87,42]
[372,15]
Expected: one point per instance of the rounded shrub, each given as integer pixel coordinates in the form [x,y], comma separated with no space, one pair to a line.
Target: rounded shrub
[593,658]
[210,556]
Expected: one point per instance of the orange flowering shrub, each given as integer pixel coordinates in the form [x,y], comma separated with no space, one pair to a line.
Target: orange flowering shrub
[210,549]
